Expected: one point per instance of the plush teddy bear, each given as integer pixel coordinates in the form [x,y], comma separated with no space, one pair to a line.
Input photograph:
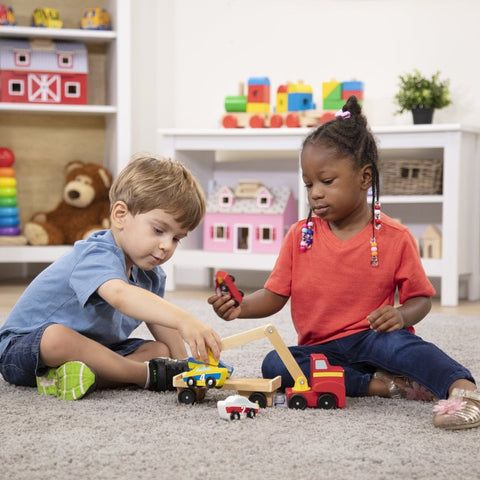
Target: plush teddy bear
[83,209]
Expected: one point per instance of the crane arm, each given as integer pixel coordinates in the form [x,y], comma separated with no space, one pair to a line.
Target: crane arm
[269,331]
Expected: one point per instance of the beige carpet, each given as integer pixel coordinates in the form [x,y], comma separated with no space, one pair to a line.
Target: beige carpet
[135,434]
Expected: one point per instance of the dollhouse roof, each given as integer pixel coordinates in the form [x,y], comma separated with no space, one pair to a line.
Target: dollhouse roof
[44,55]
[280,196]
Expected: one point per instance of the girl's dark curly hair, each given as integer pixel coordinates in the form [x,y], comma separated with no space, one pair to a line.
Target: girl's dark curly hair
[350,137]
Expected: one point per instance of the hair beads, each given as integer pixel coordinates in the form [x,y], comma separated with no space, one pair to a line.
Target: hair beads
[377,223]
[307,235]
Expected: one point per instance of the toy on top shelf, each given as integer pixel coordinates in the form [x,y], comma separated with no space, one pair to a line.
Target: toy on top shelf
[43,71]
[46,17]
[235,407]
[7,17]
[294,106]
[335,94]
[95,19]
[208,374]
[224,284]
[10,232]
[250,219]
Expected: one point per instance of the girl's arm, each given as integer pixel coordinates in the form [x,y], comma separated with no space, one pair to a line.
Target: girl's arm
[259,304]
[388,319]
[147,307]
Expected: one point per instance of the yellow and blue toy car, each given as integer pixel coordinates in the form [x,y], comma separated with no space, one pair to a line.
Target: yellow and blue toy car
[95,19]
[46,17]
[210,375]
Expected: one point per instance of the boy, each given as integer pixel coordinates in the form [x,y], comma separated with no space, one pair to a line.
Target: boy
[69,330]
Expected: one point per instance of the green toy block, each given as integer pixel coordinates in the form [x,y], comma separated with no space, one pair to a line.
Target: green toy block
[329,104]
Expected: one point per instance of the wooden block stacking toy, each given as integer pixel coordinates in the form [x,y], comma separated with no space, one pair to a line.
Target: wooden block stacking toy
[10,232]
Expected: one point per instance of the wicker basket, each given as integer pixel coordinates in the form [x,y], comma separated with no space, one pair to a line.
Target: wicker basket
[410,176]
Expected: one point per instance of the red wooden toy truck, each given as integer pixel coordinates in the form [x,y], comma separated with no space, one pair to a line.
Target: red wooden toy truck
[327,386]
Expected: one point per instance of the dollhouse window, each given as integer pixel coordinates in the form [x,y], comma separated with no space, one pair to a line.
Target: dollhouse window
[72,89]
[16,87]
[226,201]
[264,200]
[22,59]
[65,60]
[266,234]
[220,231]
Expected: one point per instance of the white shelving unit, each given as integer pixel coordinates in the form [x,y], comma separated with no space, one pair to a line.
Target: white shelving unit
[115,89]
[204,152]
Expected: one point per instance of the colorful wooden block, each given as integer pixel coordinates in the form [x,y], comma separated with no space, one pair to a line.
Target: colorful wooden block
[258,90]
[332,90]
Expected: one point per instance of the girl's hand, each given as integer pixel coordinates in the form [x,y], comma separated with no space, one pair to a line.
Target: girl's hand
[224,306]
[386,319]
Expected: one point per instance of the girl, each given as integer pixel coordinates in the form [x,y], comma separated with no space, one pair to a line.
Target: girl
[342,268]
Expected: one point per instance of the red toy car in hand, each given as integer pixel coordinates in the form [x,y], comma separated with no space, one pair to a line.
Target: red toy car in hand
[224,284]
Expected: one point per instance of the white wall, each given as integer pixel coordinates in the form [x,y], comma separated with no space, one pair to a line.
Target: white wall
[190,54]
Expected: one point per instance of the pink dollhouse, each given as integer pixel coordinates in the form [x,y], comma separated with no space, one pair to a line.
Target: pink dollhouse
[250,219]
[43,71]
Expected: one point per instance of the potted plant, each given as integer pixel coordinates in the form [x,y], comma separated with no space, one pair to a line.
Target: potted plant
[422,95]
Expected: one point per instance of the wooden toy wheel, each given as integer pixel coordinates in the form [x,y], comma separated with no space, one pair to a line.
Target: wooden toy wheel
[326,117]
[229,121]
[257,121]
[276,121]
[251,413]
[210,382]
[298,402]
[326,401]
[258,398]
[187,396]
[292,120]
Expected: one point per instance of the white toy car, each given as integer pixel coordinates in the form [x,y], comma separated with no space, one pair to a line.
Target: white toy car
[236,406]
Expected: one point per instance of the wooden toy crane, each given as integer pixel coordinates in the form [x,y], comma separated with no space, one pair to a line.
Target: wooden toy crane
[259,390]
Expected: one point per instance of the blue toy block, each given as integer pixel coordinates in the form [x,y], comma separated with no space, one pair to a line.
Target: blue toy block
[300,101]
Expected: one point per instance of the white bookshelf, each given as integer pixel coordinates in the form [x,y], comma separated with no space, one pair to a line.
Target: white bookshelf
[109,53]
[207,152]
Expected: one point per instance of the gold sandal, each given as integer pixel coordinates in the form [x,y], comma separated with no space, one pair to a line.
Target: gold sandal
[460,410]
[402,387]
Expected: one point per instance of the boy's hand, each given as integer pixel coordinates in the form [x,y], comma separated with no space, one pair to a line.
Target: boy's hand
[224,306]
[386,319]
[199,337]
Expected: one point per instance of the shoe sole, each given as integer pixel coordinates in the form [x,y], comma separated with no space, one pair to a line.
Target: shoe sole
[70,381]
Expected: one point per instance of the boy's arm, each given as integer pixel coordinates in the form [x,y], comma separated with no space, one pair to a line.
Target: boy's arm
[259,304]
[171,338]
[388,318]
[147,307]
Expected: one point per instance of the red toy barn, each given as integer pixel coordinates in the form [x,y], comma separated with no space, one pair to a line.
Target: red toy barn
[43,71]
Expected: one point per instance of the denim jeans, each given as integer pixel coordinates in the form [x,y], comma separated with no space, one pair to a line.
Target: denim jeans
[20,363]
[400,352]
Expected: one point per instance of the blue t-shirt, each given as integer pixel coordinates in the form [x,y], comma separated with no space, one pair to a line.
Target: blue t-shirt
[66,293]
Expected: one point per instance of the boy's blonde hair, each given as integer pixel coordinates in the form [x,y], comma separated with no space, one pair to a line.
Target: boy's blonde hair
[148,183]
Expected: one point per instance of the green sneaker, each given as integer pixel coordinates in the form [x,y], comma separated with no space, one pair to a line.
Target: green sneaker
[70,381]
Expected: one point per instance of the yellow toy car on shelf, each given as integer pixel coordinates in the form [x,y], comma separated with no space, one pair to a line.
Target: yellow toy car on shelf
[47,18]
[95,19]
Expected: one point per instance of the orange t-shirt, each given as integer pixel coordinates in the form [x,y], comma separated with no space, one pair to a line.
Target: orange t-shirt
[333,286]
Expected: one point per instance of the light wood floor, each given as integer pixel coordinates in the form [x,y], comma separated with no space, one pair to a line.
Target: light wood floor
[11,290]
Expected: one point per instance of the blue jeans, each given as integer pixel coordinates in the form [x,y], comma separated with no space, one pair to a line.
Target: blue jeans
[361,354]
[20,363]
